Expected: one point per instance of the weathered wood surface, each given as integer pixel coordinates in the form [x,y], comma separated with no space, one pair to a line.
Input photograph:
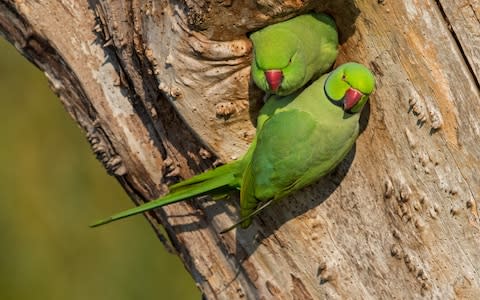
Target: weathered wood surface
[162,89]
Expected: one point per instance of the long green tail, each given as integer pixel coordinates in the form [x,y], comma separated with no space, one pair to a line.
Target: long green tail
[221,178]
[225,170]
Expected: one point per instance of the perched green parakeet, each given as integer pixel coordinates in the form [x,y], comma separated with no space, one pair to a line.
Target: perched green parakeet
[300,138]
[288,54]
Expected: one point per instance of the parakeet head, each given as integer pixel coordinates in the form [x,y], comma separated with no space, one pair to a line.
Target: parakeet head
[278,65]
[349,86]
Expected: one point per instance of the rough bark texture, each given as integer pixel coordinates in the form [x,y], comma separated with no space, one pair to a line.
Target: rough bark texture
[162,90]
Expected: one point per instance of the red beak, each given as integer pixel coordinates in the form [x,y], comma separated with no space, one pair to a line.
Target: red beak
[274,79]
[352,96]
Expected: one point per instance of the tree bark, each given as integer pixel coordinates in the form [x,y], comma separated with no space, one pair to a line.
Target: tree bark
[162,90]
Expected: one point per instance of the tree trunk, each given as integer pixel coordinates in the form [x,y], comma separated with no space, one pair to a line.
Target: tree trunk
[163,91]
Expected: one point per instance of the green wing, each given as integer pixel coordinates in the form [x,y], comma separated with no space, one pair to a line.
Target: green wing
[282,155]
[286,149]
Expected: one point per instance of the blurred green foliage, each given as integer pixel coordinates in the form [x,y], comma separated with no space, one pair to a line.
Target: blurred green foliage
[51,188]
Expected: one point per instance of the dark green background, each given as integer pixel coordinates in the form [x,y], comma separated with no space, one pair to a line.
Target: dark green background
[51,188]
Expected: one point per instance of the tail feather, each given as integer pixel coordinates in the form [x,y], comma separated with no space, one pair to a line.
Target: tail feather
[248,202]
[196,188]
[208,175]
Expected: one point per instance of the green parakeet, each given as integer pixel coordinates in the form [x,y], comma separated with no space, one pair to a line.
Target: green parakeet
[288,54]
[300,138]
